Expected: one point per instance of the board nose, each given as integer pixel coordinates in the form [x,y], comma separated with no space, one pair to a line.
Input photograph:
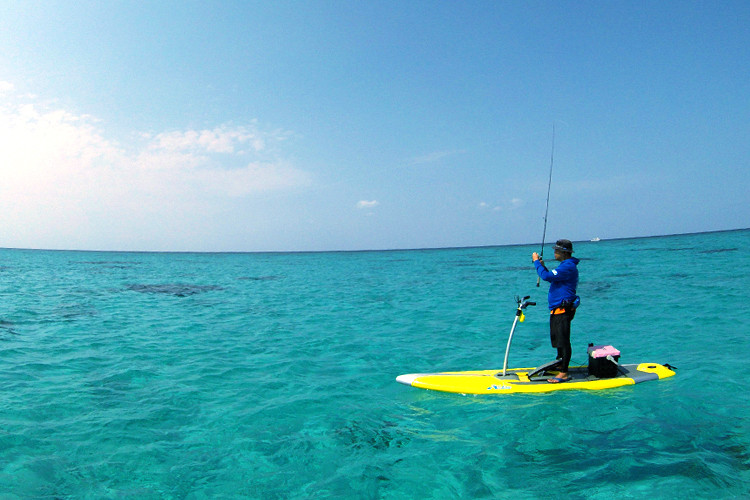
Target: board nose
[407,379]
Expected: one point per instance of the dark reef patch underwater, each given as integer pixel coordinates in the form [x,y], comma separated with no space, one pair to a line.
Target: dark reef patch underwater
[178,290]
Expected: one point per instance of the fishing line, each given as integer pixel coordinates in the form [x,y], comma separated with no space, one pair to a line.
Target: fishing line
[549,186]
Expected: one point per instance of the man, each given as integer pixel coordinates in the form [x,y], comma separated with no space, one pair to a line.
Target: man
[562,300]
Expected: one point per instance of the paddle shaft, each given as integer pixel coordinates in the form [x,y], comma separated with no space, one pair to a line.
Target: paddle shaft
[510,339]
[522,304]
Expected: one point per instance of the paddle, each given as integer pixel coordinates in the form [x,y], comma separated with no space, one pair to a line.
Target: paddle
[522,304]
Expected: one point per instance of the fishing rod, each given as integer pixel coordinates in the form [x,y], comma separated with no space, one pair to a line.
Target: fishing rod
[546,210]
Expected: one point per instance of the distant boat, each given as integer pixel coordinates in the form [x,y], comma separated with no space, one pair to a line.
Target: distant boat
[596,239]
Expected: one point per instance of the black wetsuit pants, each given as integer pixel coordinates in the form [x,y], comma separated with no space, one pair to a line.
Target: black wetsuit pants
[559,331]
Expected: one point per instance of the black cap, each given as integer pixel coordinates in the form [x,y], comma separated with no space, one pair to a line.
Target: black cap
[564,246]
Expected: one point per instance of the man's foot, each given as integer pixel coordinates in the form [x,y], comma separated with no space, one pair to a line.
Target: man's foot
[561,377]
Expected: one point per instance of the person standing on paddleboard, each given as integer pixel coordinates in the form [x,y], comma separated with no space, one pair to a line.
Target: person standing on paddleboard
[563,302]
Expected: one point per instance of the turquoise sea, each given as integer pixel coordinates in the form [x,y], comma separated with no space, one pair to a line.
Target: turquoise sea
[159,375]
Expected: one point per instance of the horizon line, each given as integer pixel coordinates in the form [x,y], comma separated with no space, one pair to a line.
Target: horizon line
[406,249]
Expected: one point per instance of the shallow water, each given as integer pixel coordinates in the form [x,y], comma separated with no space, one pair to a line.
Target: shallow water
[142,375]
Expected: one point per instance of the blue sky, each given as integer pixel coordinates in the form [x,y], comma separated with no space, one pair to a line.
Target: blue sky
[345,125]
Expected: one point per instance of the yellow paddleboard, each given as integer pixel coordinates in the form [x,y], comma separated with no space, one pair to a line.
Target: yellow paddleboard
[517,380]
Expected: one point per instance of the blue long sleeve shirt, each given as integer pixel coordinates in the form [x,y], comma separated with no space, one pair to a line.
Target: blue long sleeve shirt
[563,281]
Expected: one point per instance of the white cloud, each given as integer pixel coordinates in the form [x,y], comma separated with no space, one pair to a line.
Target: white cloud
[509,205]
[486,206]
[63,177]
[252,178]
[364,204]
[6,87]
[219,140]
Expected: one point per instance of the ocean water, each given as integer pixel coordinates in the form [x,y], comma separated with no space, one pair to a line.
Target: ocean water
[156,375]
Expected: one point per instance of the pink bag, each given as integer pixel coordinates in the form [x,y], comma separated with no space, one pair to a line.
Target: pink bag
[604,351]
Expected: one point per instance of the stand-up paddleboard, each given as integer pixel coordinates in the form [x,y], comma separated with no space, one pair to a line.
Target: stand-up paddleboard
[518,380]
[603,372]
